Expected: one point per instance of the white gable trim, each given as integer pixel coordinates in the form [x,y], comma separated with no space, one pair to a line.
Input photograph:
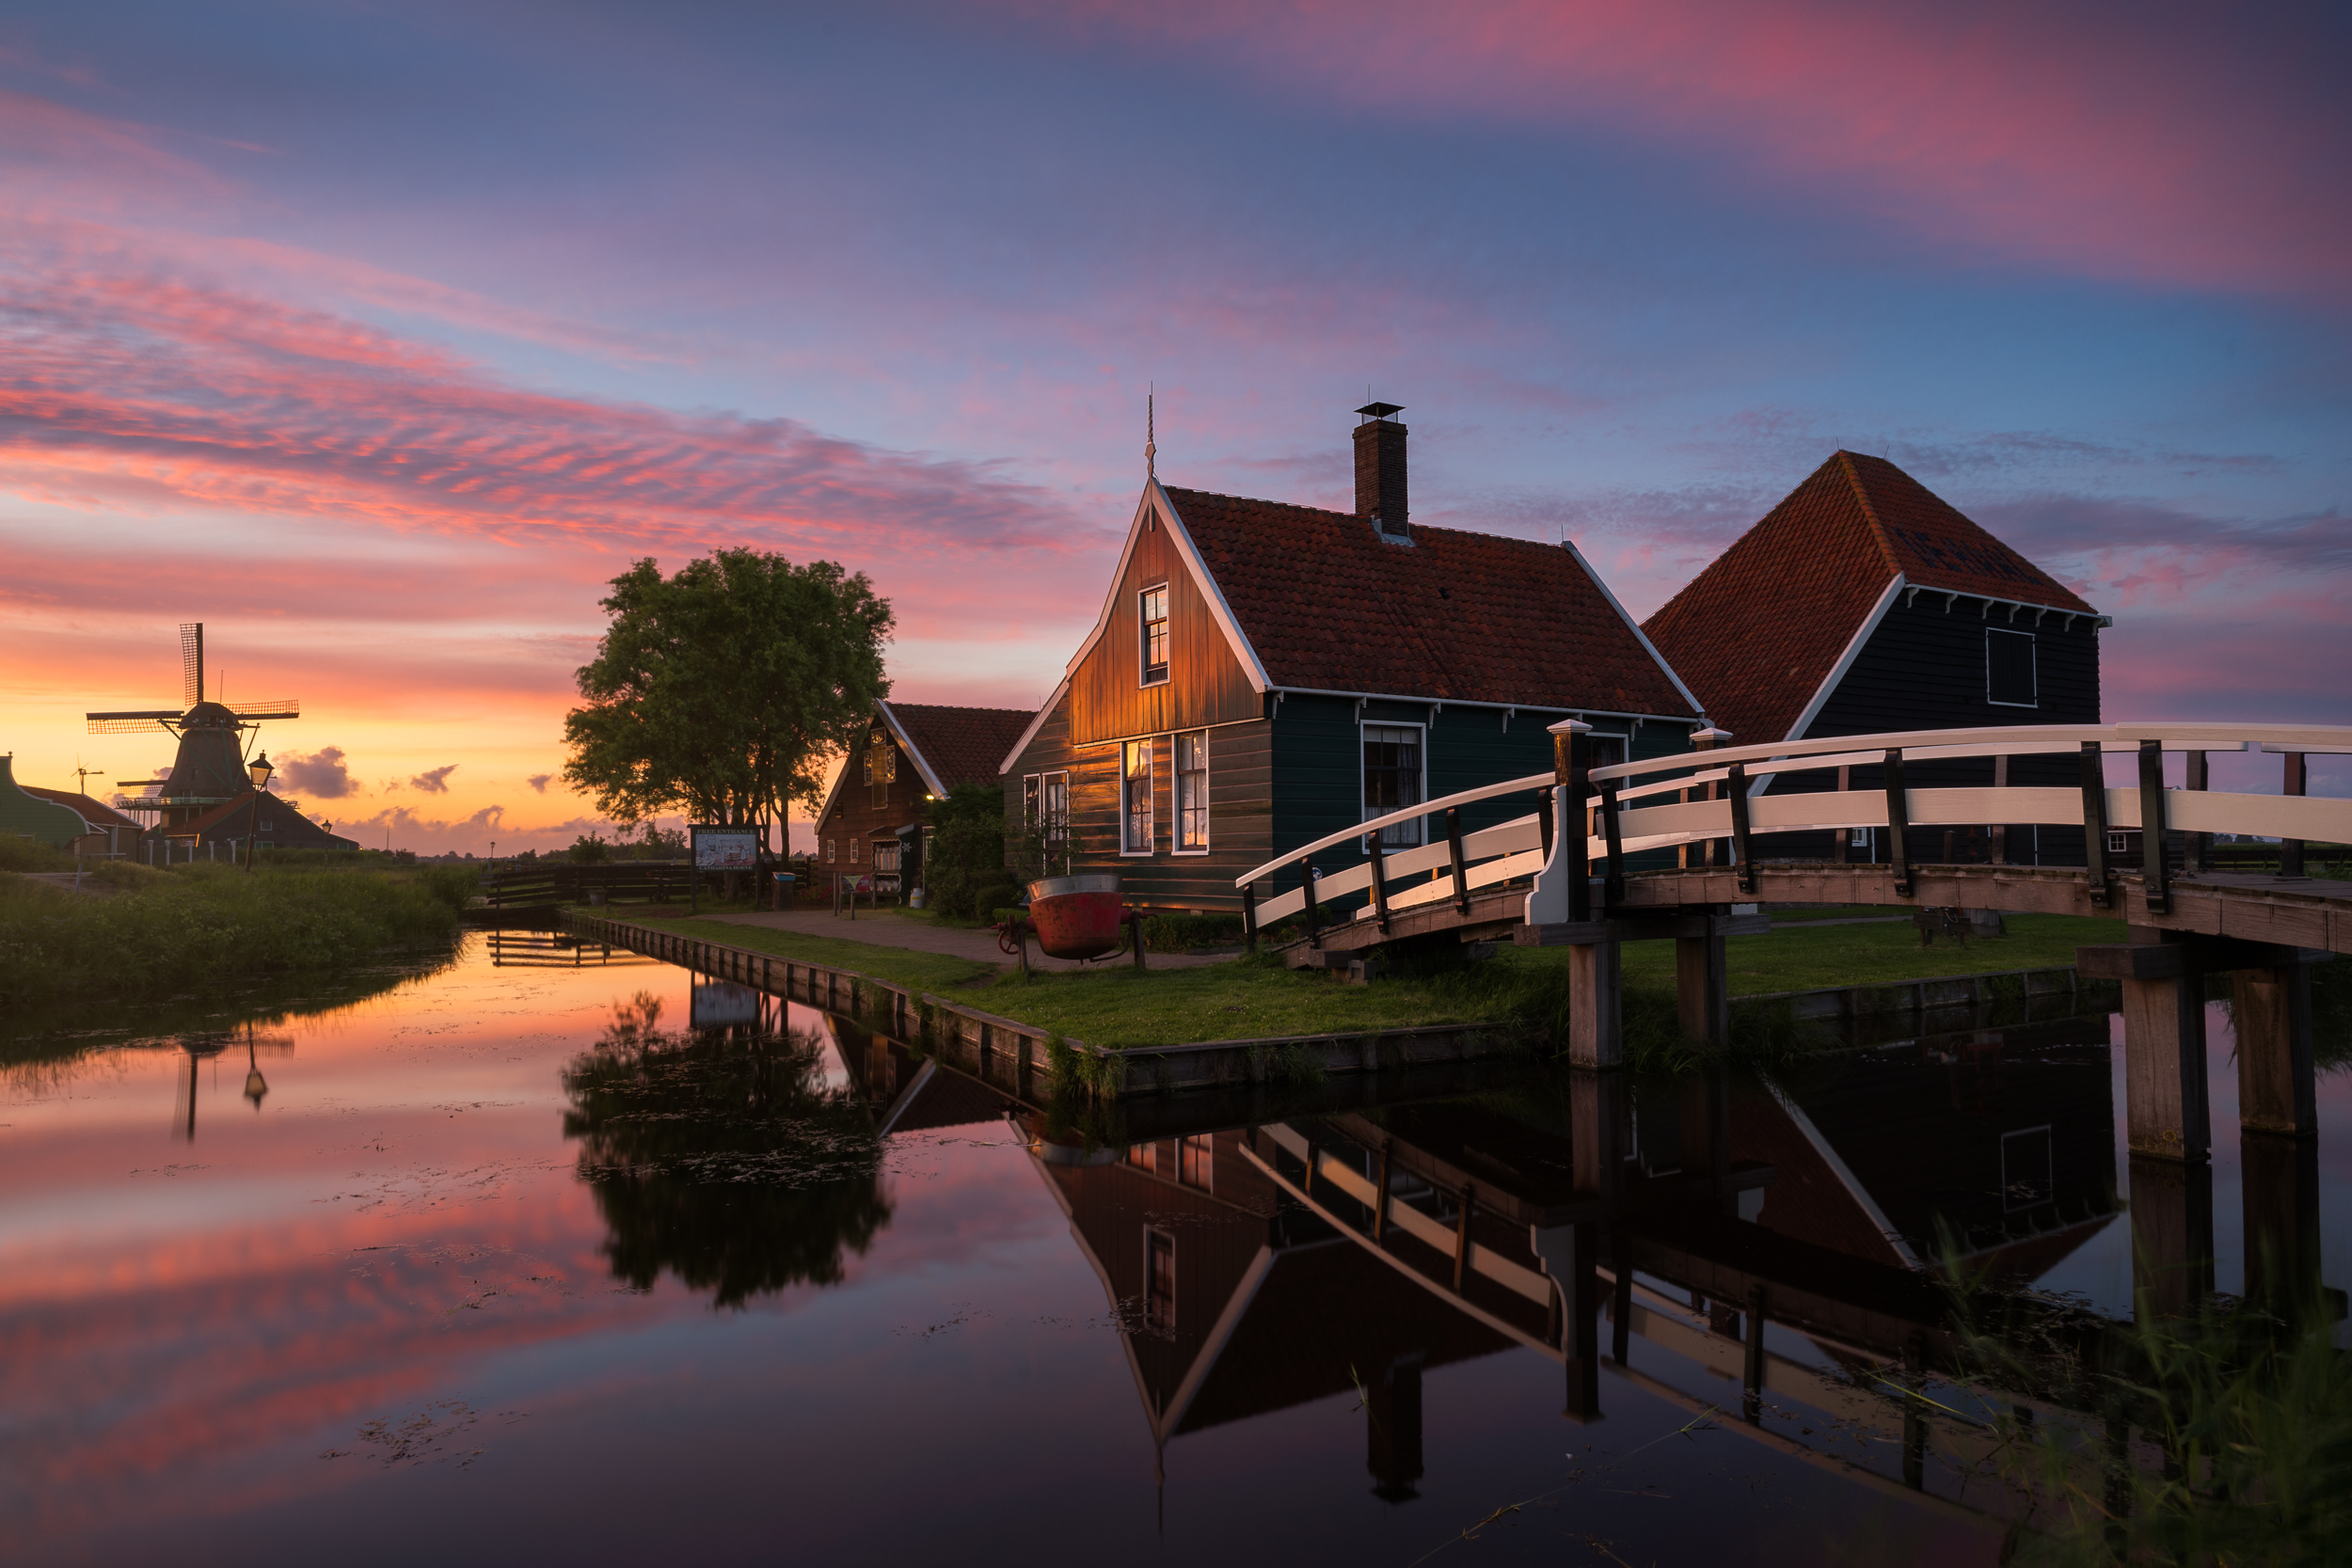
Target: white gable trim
[1035,725]
[1635,626]
[1155,501]
[922,765]
[1845,660]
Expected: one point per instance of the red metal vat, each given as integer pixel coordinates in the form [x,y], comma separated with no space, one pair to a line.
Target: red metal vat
[1077,917]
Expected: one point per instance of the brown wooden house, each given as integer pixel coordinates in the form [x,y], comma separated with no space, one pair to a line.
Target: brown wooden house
[1264,675]
[872,825]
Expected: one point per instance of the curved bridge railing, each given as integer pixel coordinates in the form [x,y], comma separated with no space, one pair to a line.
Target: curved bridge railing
[1723,796]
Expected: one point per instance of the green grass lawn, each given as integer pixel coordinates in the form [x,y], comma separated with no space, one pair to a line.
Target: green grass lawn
[1117,1007]
[1815,960]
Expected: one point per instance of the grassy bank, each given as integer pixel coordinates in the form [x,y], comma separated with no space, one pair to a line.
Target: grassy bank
[1813,957]
[200,930]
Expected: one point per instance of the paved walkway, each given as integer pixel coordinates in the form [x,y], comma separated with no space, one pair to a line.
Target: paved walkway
[921,936]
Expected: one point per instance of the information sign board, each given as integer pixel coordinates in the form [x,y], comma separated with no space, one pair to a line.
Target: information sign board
[716,1003]
[725,849]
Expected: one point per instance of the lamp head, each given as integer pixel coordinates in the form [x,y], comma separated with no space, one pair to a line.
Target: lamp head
[260,769]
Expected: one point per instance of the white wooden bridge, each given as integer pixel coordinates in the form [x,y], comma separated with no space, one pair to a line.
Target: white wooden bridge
[1559,878]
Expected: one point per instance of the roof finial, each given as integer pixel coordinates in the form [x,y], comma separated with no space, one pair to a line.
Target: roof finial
[1151,451]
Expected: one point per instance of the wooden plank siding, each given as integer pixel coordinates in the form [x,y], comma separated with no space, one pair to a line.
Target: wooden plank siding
[1206,683]
[1924,667]
[859,813]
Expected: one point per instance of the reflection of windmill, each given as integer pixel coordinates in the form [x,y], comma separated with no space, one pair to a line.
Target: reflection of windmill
[209,768]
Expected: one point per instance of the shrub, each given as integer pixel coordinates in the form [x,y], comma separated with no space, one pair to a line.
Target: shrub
[31,854]
[1182,933]
[965,872]
[589,850]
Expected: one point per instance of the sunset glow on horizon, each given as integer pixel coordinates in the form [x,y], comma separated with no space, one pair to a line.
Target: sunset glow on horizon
[379,341]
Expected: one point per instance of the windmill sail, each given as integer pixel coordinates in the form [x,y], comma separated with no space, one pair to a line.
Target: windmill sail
[191,663]
[129,724]
[277,707]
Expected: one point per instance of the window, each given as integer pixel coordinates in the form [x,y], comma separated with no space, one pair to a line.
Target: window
[1159,1281]
[1153,616]
[1392,779]
[881,766]
[2027,1176]
[2009,669]
[1144,1156]
[1032,801]
[854,851]
[1134,799]
[829,852]
[1192,793]
[1195,1160]
[1057,816]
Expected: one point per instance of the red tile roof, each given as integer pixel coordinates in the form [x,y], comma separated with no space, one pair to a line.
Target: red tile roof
[961,745]
[1455,616]
[1759,631]
[96,813]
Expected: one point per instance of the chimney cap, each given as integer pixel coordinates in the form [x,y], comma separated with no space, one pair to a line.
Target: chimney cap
[1381,410]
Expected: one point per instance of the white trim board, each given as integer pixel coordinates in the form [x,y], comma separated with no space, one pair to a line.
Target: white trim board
[1635,626]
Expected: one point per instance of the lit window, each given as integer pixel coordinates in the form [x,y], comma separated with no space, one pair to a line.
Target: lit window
[1032,801]
[1057,816]
[1155,618]
[1392,779]
[1144,1156]
[1134,799]
[1196,1160]
[1192,791]
[2009,669]
[1159,1281]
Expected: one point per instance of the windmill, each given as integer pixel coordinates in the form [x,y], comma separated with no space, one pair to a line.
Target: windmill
[209,768]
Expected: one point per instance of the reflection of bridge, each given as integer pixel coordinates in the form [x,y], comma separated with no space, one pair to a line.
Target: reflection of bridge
[1572,877]
[1748,1251]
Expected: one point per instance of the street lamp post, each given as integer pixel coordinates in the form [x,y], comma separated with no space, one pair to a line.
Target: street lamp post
[260,769]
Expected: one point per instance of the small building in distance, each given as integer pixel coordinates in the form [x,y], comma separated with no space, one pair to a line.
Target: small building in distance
[875,819]
[121,833]
[221,832]
[1262,675]
[1865,603]
[26,812]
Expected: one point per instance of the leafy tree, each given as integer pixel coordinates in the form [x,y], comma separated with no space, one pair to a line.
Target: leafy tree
[721,691]
[967,850]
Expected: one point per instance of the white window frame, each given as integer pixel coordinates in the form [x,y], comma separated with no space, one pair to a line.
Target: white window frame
[1176,792]
[1364,805]
[1032,801]
[1159,1311]
[1143,636]
[1152,806]
[831,847]
[1057,813]
[2033,665]
[855,842]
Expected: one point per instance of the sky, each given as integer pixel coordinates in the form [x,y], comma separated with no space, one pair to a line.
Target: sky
[379,338]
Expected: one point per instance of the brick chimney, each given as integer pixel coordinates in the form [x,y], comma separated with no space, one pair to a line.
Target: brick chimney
[1380,470]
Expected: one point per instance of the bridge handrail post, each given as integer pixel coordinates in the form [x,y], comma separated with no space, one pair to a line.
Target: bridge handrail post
[2194,846]
[1898,823]
[2293,780]
[1742,853]
[1613,888]
[1569,764]
[1250,915]
[1461,864]
[1379,885]
[2156,885]
[2094,779]
[1314,932]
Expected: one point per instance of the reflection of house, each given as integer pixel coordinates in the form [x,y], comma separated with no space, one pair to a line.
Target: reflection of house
[1234,1303]
[1262,674]
[2008,1140]
[1864,604]
[875,817]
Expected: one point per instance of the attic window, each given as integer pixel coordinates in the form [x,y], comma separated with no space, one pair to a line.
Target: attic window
[1153,614]
[2009,669]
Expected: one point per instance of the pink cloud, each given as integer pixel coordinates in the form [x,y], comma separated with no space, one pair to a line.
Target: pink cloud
[2144,144]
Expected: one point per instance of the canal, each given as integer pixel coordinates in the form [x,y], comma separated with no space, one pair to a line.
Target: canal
[560,1254]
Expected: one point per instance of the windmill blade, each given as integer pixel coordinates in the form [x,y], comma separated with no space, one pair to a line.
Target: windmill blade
[281,708]
[130,723]
[191,663]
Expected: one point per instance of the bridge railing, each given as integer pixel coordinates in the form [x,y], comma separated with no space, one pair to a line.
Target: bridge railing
[1628,807]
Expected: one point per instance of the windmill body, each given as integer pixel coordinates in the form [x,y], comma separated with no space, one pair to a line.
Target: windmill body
[209,772]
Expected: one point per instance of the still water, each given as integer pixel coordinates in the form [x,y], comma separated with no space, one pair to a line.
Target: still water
[513,1262]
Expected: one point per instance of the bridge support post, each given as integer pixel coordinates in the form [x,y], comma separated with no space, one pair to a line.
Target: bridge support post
[1702,987]
[1595,1005]
[2276,1087]
[1393,1432]
[1569,1253]
[2172,1236]
[2164,1068]
[2282,1197]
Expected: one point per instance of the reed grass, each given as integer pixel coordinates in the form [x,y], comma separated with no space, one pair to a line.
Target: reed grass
[201,929]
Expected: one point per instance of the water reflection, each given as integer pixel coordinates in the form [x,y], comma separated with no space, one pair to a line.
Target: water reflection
[722,1155]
